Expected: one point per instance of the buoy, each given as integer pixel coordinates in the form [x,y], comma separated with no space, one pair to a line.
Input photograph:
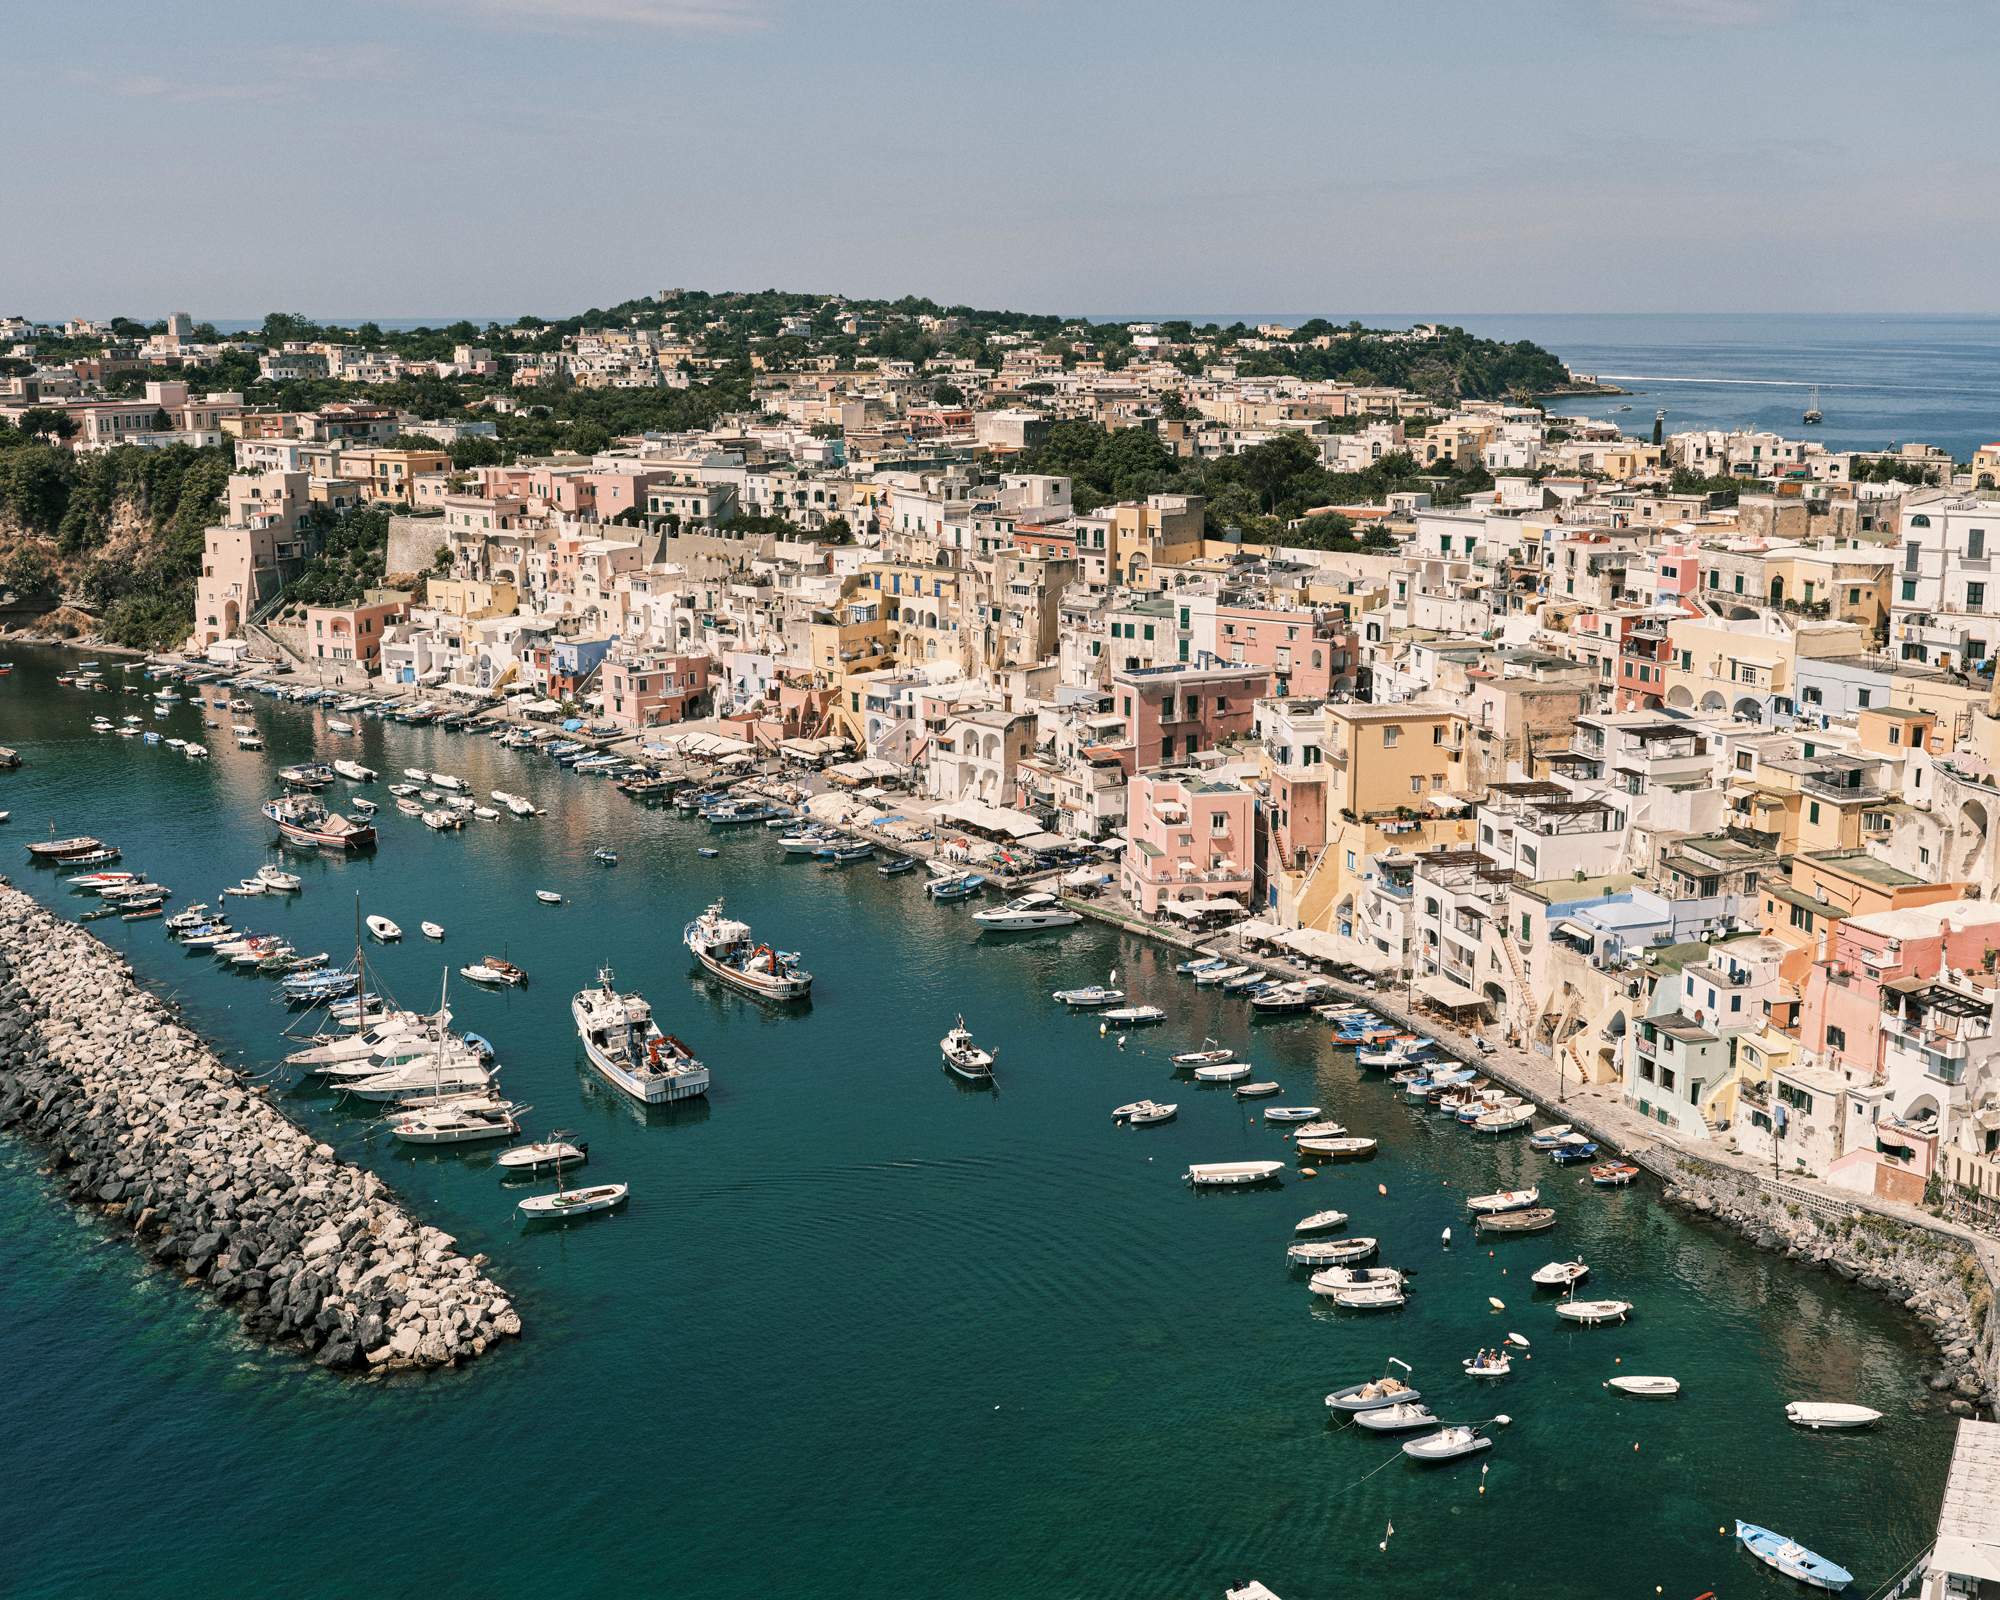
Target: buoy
[1518,1339]
[1102,1029]
[1381,1188]
[1308,1172]
[1123,1039]
[1447,1238]
[1635,1447]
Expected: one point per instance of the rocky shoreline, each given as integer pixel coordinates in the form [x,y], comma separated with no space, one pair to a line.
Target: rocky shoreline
[144,1122]
[1940,1280]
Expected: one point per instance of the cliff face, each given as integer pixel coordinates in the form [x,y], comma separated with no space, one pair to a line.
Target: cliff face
[143,1121]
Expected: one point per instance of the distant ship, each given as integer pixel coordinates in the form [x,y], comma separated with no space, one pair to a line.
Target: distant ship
[1812,407]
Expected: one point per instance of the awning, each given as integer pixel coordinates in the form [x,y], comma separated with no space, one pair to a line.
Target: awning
[1313,942]
[989,819]
[1259,929]
[1447,803]
[1443,991]
[1219,906]
[1084,877]
[1577,930]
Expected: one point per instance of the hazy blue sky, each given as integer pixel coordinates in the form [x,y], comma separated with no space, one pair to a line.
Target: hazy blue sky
[488,157]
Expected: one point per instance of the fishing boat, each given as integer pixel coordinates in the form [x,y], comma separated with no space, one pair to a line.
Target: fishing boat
[1549,1138]
[1214,976]
[1592,1312]
[1197,965]
[1377,1394]
[431,930]
[1144,1113]
[51,851]
[1289,999]
[1290,1113]
[963,1058]
[1399,1418]
[1791,1558]
[306,775]
[627,1049]
[1029,911]
[1654,1388]
[1504,1119]
[1223,1072]
[1090,997]
[1320,1222]
[567,1203]
[726,949]
[1447,1444]
[548,897]
[1324,1253]
[1258,1091]
[845,853]
[1133,1016]
[1535,1219]
[523,1160]
[495,973]
[303,820]
[896,865]
[1400,1052]
[1818,1414]
[278,880]
[1613,1174]
[383,930]
[1560,1274]
[1231,1174]
[354,772]
[336,725]
[1247,982]
[1335,1148]
[1569,1155]
[1505,1200]
[1371,1295]
[1210,1054]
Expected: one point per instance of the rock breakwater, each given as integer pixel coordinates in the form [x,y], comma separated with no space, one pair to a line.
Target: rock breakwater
[142,1120]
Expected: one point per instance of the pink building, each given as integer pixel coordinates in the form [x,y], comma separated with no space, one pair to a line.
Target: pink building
[649,688]
[1310,654]
[1189,840]
[1172,712]
[350,633]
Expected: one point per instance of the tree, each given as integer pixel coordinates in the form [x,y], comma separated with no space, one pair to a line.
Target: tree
[948,394]
[27,570]
[47,423]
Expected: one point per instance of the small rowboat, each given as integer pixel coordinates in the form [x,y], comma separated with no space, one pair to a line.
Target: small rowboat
[1592,1312]
[1144,1113]
[1232,1174]
[1506,1200]
[1258,1091]
[1830,1414]
[1352,1147]
[1291,1113]
[1613,1174]
[1533,1220]
[1319,1130]
[1222,1072]
[1792,1558]
[1645,1388]
[548,897]
[1329,1252]
[567,1203]
[1549,1138]
[1209,1055]
[431,930]
[1321,1222]
[1496,1365]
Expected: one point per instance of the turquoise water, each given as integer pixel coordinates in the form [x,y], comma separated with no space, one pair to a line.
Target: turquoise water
[862,1330]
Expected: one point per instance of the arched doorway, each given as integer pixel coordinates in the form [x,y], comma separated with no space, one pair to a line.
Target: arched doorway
[1749,709]
[1777,591]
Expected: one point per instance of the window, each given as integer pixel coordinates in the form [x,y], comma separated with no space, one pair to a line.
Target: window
[1909,588]
[1861,699]
[1836,1038]
[1812,811]
[1975,543]
[1391,736]
[1975,597]
[1417,784]
[1911,552]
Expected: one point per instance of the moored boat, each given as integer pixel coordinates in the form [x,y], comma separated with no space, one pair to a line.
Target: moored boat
[963,1058]
[1506,1200]
[303,820]
[1818,1414]
[1592,1312]
[1144,1113]
[1320,1222]
[1532,1220]
[625,1046]
[1375,1395]
[542,1156]
[1231,1174]
[1645,1388]
[1613,1174]
[727,950]
[1791,1558]
[1037,909]
[1560,1274]
[1447,1444]
[567,1203]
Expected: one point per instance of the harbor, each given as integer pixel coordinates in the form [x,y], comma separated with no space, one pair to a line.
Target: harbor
[987,1290]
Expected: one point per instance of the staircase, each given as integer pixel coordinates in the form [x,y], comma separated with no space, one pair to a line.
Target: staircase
[1522,999]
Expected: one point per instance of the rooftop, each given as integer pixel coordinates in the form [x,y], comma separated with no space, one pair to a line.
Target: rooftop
[1860,864]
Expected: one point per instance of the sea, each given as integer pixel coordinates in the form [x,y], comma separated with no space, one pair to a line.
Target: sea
[863,1330]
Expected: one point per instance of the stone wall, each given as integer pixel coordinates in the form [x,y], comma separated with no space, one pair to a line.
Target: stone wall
[144,1122]
[413,544]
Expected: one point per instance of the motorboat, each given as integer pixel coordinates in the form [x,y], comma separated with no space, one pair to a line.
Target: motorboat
[308,775]
[626,1048]
[896,865]
[303,820]
[1320,1222]
[567,1203]
[1791,1558]
[383,930]
[1818,1414]
[431,930]
[1090,997]
[727,950]
[442,821]
[1144,1113]
[1132,1016]
[417,775]
[1289,999]
[439,1073]
[1485,1102]
[1645,1388]
[1570,1142]
[1403,1052]
[1489,1364]
[1505,1200]
[603,856]
[548,897]
[1532,1220]
[1320,1253]
[1613,1174]
[1232,1174]
[495,973]
[708,853]
[1209,1055]
[1373,1295]
[1549,1138]
[405,791]
[447,1125]
[1378,1394]
[1348,1147]
[1029,911]
[355,772]
[1223,1072]
[362,1044]
[1258,1091]
[1592,1312]
[278,880]
[1399,1418]
[1213,976]
[1196,966]
[485,813]
[962,1057]
[542,1156]
[844,852]
[1504,1119]
[1290,1113]
[1247,982]
[1447,1444]
[336,725]
[1560,1274]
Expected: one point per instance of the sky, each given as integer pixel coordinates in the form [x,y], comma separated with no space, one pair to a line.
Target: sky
[486,158]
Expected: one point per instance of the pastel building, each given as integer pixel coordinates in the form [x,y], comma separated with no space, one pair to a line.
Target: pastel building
[645,688]
[1188,842]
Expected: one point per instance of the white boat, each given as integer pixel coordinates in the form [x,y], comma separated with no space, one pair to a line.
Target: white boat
[1144,1113]
[489,974]
[1215,975]
[416,775]
[1375,1395]
[1034,910]
[1210,1054]
[1290,1113]
[1560,1274]
[548,897]
[1447,1444]
[1793,1559]
[1398,1418]
[727,950]
[1133,1016]
[279,881]
[964,1058]
[566,1203]
[382,929]
[627,1049]
[446,782]
[1373,1296]
[1592,1312]
[1645,1388]
[431,930]
[1830,1414]
[1487,1205]
[1231,1174]
[335,725]
[1336,1148]
[363,1043]
[1495,1364]
[355,772]
[1328,1252]
[541,1156]
[455,1124]
[486,813]
[1321,1222]
[1226,1072]
[1505,1119]
[1089,997]
[421,1075]
[1258,1091]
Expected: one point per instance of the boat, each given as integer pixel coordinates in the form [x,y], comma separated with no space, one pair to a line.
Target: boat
[417,775]
[443,821]
[604,857]
[1506,1200]
[806,842]
[963,1058]
[627,1049]
[1346,1147]
[548,897]
[553,1151]
[1818,1414]
[1247,982]
[846,853]
[405,791]
[708,852]
[1549,1138]
[1812,416]
[567,1203]
[1258,1091]
[726,949]
[1290,1113]
[1532,1220]
[248,886]
[1331,1253]
[1321,1222]
[1489,1364]
[1089,997]
[1144,1113]
[1376,1395]
[495,973]
[1398,1418]
[278,880]
[439,1072]
[1212,976]
[1447,1444]
[1569,1155]
[1029,911]
[195,752]
[1392,1053]
[1209,1055]
[1371,1295]
[1223,1072]
[1645,1388]
[1231,1174]
[383,930]
[1289,999]
[1560,1274]
[355,772]
[431,930]
[1504,1119]
[1131,1016]
[1788,1556]
[336,725]
[71,849]
[303,820]
[456,1124]
[102,855]
[955,886]
[1592,1312]
[896,865]
[1613,1174]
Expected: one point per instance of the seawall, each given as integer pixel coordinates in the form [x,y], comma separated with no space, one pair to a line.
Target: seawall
[144,1122]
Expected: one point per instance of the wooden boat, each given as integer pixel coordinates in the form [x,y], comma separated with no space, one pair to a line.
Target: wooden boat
[1613,1174]
[1326,1129]
[1144,1113]
[1321,1222]
[963,1058]
[1532,1220]
[1132,1016]
[1791,1558]
[548,897]
[1817,1414]
[1560,1274]
[1223,1072]
[1329,1252]
[1645,1388]
[1352,1147]
[1487,1205]
[1291,1113]
[54,850]
[1210,1054]
[1232,1174]
[1504,1119]
[1258,1091]
[1371,1296]
[1592,1312]
[567,1203]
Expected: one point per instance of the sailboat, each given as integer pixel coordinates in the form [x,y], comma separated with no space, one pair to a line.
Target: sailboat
[566,1203]
[1812,408]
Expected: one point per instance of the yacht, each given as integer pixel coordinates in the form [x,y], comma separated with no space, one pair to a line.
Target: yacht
[385,931]
[728,950]
[626,1048]
[1034,910]
[456,1124]
[964,1058]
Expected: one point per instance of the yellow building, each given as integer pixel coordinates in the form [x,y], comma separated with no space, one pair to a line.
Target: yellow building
[1748,666]
[920,604]
[471,598]
[1163,530]
[1851,585]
